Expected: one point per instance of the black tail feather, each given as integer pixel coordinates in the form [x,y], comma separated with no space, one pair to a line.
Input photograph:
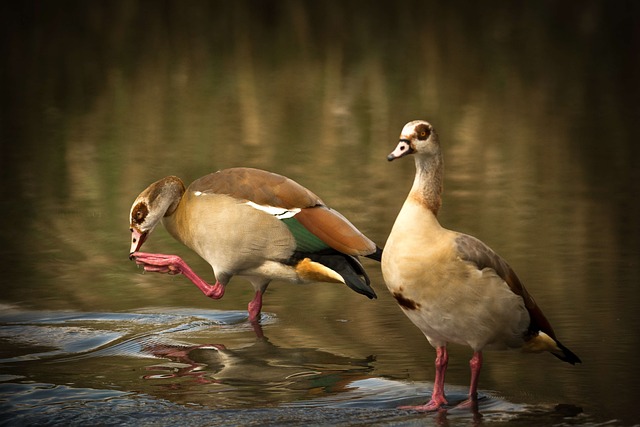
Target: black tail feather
[377,255]
[346,266]
[566,355]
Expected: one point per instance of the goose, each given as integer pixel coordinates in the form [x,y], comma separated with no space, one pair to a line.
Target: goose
[251,223]
[452,286]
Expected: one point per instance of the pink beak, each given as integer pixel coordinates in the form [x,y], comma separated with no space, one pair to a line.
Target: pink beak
[403,149]
[137,239]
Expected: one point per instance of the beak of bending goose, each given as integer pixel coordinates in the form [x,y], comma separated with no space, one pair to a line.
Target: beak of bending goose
[452,286]
[251,223]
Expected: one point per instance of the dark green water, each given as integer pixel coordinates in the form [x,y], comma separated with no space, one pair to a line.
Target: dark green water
[536,106]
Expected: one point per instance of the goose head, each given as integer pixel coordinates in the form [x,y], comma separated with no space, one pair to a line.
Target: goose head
[420,139]
[417,137]
[157,201]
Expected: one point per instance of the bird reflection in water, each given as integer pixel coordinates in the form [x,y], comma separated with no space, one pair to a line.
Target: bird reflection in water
[282,371]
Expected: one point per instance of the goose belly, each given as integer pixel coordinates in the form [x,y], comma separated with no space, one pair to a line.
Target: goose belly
[231,235]
[450,300]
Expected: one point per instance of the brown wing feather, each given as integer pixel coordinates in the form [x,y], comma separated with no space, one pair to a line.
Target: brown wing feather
[270,189]
[336,231]
[258,186]
[473,250]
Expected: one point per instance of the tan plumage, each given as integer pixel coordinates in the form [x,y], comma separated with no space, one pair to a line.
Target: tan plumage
[252,223]
[452,286]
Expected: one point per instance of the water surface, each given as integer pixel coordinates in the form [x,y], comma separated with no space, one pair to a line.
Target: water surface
[535,104]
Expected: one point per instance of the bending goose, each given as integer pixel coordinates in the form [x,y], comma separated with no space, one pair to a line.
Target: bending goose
[251,223]
[452,286]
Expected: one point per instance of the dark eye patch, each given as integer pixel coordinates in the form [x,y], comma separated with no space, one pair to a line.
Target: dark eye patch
[139,213]
[423,131]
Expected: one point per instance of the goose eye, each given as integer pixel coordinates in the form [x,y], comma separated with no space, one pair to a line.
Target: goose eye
[131,230]
[423,133]
[139,213]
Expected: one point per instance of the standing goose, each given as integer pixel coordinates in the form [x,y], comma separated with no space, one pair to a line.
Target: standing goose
[451,285]
[251,223]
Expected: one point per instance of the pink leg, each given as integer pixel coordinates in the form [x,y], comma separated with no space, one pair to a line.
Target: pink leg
[475,364]
[255,306]
[437,396]
[173,264]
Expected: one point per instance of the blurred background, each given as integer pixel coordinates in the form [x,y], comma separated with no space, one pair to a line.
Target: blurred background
[536,104]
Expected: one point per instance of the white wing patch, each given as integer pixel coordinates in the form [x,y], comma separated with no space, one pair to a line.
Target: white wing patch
[280,213]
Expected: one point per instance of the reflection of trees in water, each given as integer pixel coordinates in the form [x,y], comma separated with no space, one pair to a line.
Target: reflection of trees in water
[534,102]
[107,98]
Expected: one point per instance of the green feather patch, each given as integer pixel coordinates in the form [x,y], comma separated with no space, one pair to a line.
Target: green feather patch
[305,240]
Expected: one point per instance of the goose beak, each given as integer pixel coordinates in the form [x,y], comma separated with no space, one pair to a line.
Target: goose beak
[137,239]
[402,149]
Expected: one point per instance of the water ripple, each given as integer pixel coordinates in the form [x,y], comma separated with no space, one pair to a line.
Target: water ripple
[93,368]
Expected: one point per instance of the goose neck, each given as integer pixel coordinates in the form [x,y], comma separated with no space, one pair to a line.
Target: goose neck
[428,182]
